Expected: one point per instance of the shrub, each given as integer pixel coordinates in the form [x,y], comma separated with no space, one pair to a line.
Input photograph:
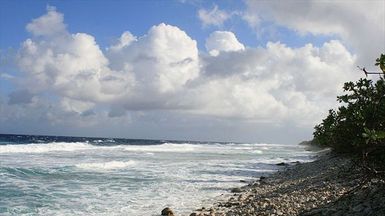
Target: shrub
[358,125]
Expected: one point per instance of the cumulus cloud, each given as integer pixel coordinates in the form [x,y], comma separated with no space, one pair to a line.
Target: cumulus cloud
[48,25]
[125,39]
[276,83]
[223,41]
[136,73]
[163,71]
[162,61]
[353,21]
[70,65]
[214,17]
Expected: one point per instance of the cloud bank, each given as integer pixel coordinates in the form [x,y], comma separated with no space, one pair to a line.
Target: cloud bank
[68,79]
[359,24]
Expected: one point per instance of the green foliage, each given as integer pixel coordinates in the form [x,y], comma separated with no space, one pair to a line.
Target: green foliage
[373,135]
[381,62]
[358,125]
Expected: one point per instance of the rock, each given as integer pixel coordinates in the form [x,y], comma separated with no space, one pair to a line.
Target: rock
[313,188]
[236,190]
[167,212]
[194,214]
[358,208]
[281,164]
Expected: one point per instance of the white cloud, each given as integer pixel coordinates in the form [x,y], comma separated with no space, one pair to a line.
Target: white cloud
[276,83]
[223,41]
[70,105]
[125,40]
[215,16]
[360,24]
[163,72]
[161,62]
[48,25]
[136,73]
[71,65]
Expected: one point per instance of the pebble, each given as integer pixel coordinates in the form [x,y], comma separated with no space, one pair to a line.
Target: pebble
[315,188]
[167,212]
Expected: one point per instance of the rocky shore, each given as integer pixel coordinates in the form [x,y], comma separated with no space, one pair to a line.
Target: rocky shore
[331,185]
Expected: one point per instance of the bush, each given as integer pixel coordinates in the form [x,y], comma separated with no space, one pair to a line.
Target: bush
[358,125]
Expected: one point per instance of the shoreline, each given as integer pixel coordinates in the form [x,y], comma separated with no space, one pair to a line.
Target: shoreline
[330,185]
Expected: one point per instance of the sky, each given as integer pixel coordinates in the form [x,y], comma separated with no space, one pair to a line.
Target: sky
[240,71]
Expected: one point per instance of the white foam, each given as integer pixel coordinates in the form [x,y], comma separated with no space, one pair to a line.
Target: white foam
[48,147]
[166,147]
[111,165]
[146,149]
[196,148]
[257,151]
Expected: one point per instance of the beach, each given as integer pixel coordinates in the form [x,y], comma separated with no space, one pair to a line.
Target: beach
[331,185]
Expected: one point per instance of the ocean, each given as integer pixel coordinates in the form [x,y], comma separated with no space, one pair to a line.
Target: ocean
[49,175]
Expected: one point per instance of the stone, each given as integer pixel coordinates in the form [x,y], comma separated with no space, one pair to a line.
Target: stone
[167,212]
[358,208]
[236,190]
[306,189]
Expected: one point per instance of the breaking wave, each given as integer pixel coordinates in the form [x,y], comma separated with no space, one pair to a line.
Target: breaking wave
[43,148]
[111,165]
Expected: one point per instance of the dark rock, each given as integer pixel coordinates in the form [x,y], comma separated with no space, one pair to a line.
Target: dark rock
[236,190]
[281,164]
[167,212]
[359,208]
[315,188]
[194,214]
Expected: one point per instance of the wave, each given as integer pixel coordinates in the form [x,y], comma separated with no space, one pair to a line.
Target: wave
[166,147]
[43,148]
[257,151]
[231,148]
[80,146]
[196,148]
[111,165]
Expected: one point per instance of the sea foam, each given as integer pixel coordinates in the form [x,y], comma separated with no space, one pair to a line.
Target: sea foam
[43,148]
[166,147]
[111,165]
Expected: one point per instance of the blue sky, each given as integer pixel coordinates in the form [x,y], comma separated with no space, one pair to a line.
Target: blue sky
[215,70]
[107,20]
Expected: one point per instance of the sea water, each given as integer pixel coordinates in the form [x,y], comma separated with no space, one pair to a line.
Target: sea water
[43,175]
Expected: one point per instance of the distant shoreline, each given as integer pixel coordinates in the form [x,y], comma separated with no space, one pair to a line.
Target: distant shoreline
[330,185]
